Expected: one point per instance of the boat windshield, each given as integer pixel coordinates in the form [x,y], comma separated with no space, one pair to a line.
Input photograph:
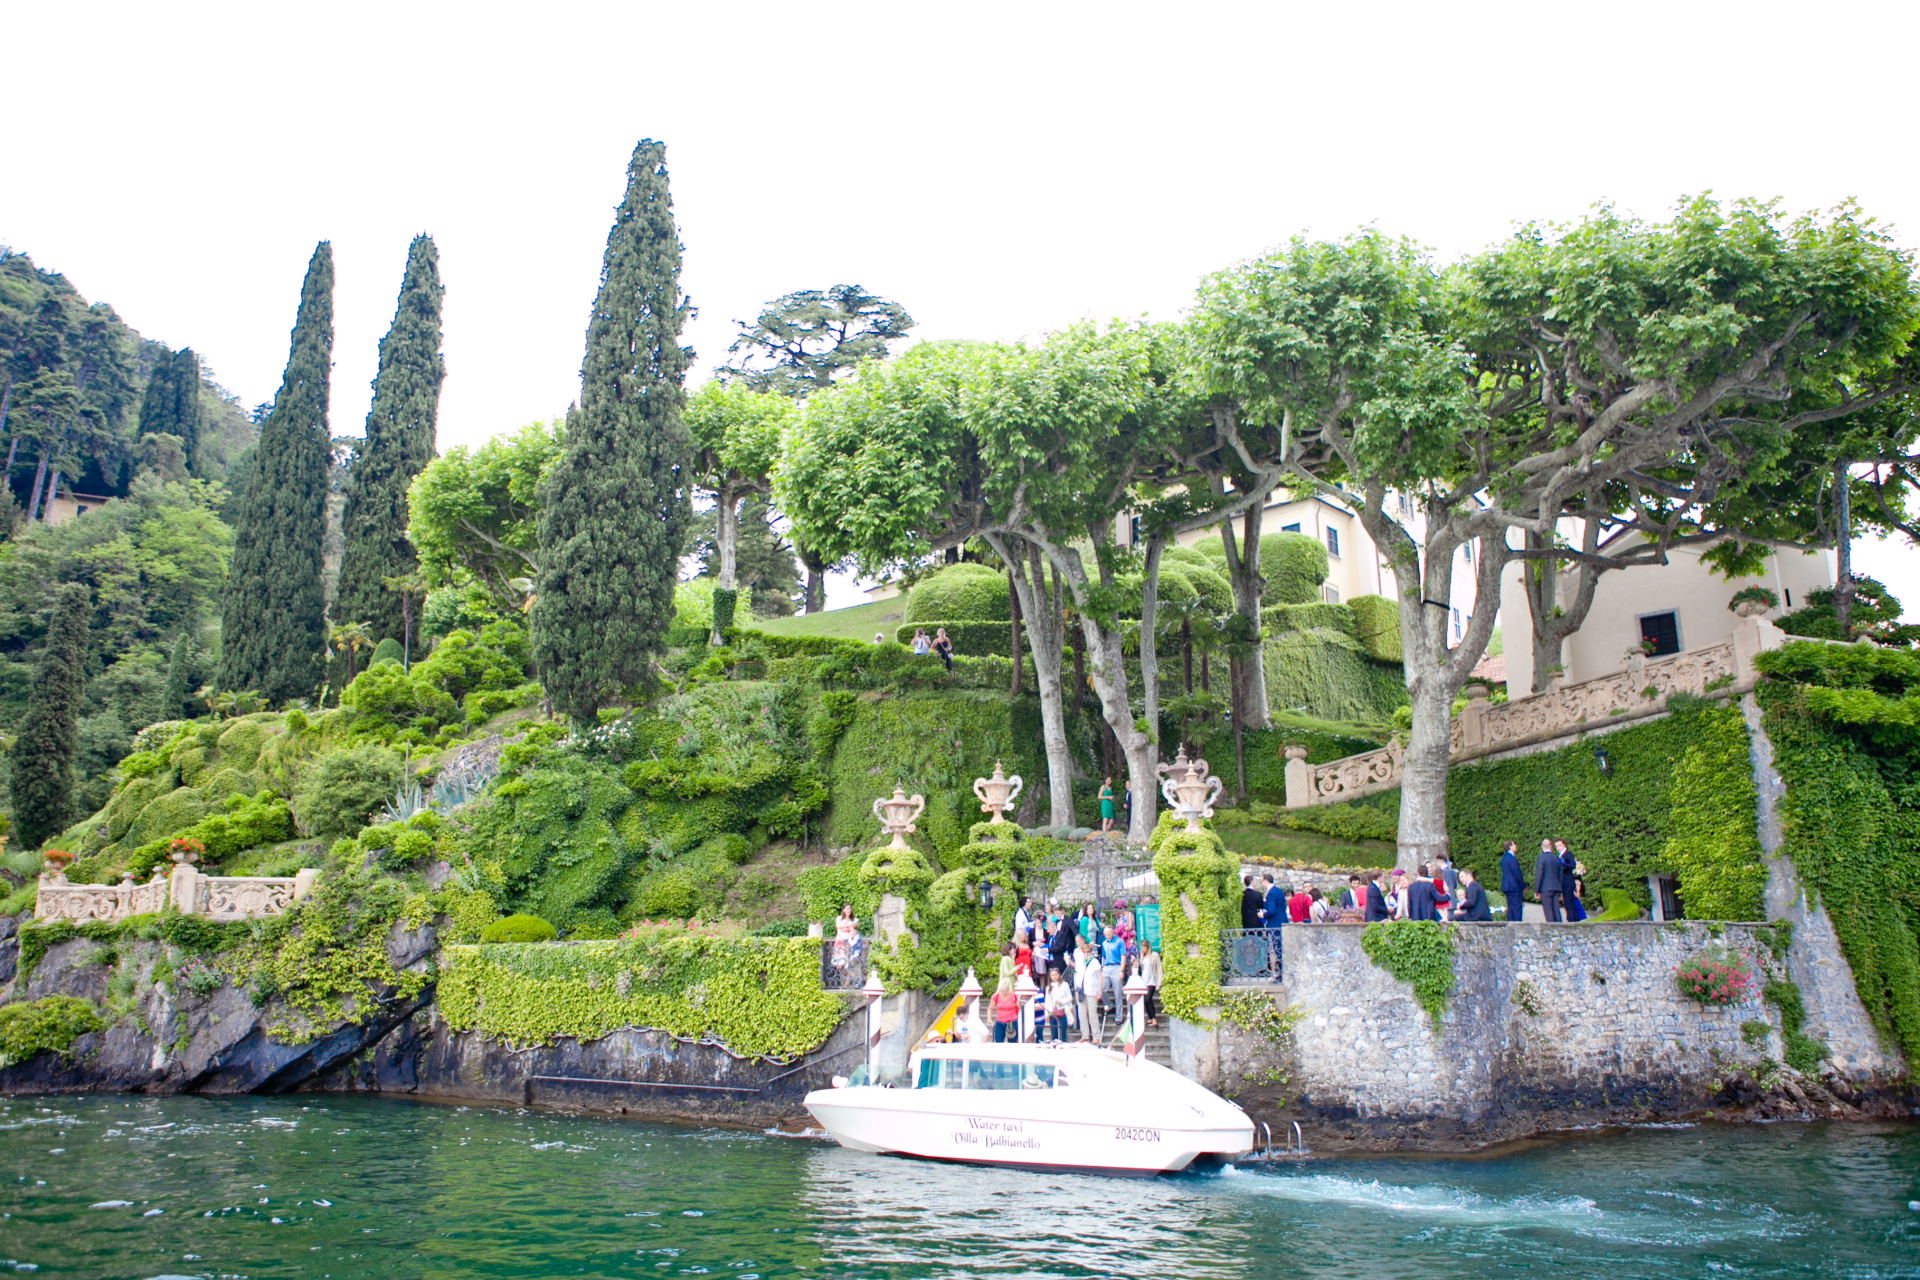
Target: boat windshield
[954,1073]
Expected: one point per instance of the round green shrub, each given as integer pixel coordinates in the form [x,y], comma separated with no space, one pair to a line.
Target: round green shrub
[388,650]
[240,744]
[519,929]
[1193,557]
[964,592]
[1215,592]
[1294,565]
[343,789]
[175,811]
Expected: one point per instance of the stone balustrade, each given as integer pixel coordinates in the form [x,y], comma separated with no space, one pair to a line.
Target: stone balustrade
[1482,727]
[187,890]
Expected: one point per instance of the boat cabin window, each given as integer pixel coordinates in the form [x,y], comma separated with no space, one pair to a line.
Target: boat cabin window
[1009,1075]
[937,1073]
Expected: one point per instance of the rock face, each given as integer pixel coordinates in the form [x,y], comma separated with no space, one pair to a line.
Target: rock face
[180,1042]
[629,1072]
[1548,1027]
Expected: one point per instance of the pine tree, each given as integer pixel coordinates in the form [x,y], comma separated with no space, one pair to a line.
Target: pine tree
[42,781]
[614,510]
[399,444]
[274,631]
[171,403]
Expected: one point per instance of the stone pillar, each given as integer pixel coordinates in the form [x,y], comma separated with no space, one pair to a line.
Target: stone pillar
[1473,717]
[183,890]
[1754,636]
[890,920]
[303,882]
[1299,777]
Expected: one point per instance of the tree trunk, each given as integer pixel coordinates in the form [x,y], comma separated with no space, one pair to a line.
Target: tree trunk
[726,540]
[1043,638]
[1149,644]
[13,441]
[1079,664]
[39,483]
[1423,781]
[1013,600]
[1552,622]
[1843,551]
[1249,591]
[53,494]
[1239,739]
[1108,672]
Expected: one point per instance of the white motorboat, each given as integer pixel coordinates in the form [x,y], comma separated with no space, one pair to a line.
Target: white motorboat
[1038,1106]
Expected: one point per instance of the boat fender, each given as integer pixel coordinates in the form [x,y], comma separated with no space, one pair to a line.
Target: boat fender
[839,1082]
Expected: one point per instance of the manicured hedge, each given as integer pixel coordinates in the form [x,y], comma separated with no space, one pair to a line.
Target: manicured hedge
[1331,676]
[974,639]
[1278,618]
[963,592]
[1294,565]
[1376,625]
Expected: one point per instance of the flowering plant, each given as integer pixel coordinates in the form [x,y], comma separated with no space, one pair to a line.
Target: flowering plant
[56,859]
[1716,977]
[1760,595]
[185,849]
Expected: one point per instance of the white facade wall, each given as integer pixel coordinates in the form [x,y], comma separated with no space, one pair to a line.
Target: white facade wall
[1684,586]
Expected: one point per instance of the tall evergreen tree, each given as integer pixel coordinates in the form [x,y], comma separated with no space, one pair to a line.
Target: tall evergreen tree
[42,781]
[274,632]
[614,509]
[171,403]
[399,444]
[173,695]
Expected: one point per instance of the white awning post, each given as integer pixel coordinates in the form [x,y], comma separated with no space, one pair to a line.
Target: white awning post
[1136,990]
[1025,991]
[970,997]
[875,991]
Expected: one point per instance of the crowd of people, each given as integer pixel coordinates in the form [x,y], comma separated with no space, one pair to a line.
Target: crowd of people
[1080,964]
[1432,891]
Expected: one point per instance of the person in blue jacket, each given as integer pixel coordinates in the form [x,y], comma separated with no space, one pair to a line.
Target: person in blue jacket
[1376,898]
[1513,882]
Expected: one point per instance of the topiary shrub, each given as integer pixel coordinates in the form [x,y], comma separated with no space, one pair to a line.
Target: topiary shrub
[175,811]
[964,592]
[342,789]
[1196,875]
[49,1024]
[1294,565]
[1376,625]
[1280,618]
[388,650]
[970,639]
[384,697]
[519,929]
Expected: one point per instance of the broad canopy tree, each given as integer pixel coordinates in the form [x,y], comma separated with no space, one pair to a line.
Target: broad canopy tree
[1561,371]
[736,437]
[474,514]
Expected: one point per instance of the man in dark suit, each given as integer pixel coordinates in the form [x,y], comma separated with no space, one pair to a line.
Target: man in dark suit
[1422,900]
[1251,904]
[1472,899]
[1376,900]
[1547,882]
[1513,884]
[1274,906]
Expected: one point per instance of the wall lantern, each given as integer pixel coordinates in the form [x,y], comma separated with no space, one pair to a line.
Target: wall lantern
[1600,759]
[986,895]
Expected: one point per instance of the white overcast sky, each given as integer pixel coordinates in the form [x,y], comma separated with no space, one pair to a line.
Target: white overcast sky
[1000,169]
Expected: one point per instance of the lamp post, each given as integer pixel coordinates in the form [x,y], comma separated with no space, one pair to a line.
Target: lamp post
[875,991]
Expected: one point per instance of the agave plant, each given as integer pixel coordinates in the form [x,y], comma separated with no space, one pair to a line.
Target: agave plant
[406,802]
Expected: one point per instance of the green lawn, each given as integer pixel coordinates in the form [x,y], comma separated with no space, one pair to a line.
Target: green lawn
[859,622]
[1274,844]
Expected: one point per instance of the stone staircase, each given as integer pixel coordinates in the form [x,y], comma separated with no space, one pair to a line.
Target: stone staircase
[1158,1046]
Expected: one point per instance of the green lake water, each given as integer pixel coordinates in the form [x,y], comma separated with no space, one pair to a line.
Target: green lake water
[317,1186]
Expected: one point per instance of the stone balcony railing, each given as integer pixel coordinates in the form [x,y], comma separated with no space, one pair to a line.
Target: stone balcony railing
[1482,728]
[187,890]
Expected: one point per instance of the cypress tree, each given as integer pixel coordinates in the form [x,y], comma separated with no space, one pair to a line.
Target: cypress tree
[274,629]
[399,444]
[174,696]
[170,404]
[42,781]
[614,509]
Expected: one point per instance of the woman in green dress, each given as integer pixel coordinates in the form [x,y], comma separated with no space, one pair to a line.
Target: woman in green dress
[1106,804]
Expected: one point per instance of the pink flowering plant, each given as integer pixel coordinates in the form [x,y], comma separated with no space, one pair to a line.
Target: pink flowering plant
[1716,976]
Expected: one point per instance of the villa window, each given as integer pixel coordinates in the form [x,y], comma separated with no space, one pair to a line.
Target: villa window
[1333,541]
[1660,633]
[1289,528]
[1456,624]
[1329,594]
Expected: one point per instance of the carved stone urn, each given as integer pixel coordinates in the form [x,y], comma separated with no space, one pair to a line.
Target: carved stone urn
[1751,608]
[1190,790]
[996,793]
[896,814]
[1294,751]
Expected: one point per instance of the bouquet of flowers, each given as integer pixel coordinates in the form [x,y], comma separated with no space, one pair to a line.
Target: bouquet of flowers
[1716,977]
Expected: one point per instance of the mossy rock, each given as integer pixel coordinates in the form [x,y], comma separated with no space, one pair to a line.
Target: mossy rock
[226,782]
[175,811]
[240,744]
[192,762]
[127,803]
[519,929]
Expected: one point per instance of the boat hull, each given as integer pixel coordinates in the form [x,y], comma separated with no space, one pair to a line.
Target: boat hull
[970,1131]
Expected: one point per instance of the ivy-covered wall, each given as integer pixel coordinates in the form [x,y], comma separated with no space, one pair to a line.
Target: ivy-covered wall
[760,997]
[1329,674]
[1622,823]
[1841,724]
